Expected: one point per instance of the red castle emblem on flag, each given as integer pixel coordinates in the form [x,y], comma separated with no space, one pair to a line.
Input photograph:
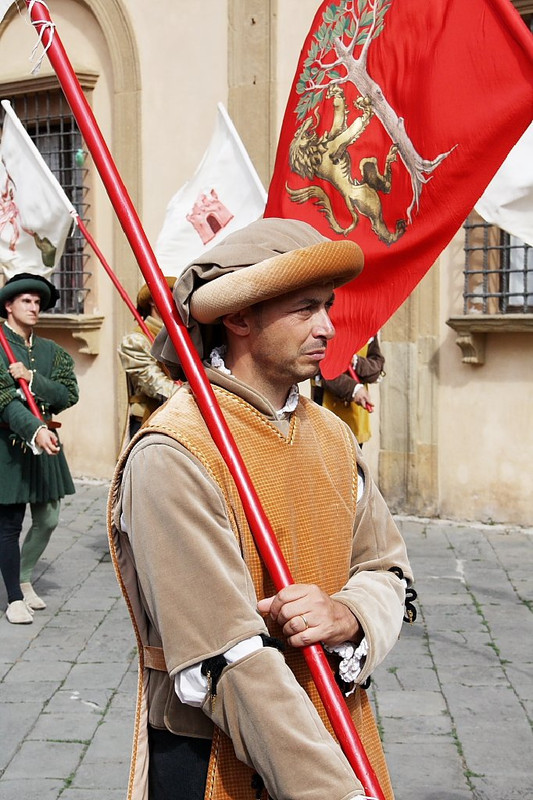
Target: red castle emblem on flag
[208,216]
[9,213]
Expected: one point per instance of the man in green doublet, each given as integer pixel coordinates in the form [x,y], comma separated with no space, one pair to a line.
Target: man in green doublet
[33,467]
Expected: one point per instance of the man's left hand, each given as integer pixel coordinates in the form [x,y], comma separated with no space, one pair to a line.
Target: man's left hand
[362,398]
[308,615]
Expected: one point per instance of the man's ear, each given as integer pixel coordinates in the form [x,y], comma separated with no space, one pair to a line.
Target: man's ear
[238,323]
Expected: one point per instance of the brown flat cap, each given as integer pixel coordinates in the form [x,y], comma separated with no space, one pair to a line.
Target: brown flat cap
[325,262]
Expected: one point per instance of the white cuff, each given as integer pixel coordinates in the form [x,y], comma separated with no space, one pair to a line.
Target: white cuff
[356,389]
[352,659]
[191,686]
[36,450]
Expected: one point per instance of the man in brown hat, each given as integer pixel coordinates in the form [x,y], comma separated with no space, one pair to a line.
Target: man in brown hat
[222,712]
[33,468]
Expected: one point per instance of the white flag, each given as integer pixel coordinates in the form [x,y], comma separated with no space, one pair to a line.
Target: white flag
[4,7]
[35,213]
[225,194]
[508,199]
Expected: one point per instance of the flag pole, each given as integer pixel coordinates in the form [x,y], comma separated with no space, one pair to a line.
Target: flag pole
[353,374]
[192,366]
[122,292]
[32,405]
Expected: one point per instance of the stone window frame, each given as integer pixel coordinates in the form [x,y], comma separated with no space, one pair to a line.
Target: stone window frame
[83,327]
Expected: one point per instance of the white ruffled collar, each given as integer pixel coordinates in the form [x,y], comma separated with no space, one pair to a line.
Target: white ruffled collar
[217,362]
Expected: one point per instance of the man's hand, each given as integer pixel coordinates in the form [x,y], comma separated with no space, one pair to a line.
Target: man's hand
[309,615]
[18,370]
[47,441]
[362,398]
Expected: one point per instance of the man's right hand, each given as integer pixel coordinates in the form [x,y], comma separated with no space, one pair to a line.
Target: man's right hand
[19,370]
[47,441]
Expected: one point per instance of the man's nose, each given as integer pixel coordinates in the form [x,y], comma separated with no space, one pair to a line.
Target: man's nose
[324,327]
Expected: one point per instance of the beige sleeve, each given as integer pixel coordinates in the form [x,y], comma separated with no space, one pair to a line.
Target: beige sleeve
[276,730]
[144,372]
[375,595]
[199,592]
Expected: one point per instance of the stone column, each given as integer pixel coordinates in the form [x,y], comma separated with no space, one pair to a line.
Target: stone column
[408,458]
[250,43]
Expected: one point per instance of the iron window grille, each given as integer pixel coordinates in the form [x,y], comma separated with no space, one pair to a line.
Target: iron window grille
[49,121]
[498,274]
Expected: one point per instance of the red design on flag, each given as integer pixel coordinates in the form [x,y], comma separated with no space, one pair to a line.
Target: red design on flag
[9,212]
[400,113]
[208,216]
[35,213]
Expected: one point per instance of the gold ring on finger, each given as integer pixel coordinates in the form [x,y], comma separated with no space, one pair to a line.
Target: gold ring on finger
[305,622]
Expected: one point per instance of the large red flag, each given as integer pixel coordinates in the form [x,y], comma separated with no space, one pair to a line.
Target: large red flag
[400,113]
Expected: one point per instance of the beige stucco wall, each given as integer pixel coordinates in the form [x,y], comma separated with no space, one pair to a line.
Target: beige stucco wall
[485,417]
[182,58]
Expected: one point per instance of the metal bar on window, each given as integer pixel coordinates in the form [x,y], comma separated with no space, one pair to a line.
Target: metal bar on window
[498,273]
[49,121]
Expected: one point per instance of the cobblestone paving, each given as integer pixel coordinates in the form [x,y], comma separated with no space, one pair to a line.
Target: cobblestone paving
[454,699]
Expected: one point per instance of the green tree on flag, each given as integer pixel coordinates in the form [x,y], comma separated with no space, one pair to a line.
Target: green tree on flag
[339,54]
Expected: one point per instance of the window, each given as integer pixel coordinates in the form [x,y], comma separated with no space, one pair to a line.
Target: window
[498,270]
[49,121]
[498,267]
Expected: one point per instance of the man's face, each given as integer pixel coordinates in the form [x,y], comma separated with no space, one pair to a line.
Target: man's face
[23,310]
[289,334]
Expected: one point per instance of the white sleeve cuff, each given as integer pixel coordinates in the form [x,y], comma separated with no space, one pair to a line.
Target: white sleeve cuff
[352,659]
[36,450]
[356,389]
[191,686]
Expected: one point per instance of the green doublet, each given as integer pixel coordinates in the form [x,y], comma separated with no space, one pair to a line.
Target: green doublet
[25,477]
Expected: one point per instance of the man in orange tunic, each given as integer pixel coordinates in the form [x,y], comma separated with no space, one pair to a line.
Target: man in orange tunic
[222,713]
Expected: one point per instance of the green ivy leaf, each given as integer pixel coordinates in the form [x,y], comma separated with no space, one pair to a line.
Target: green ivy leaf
[330,13]
[302,108]
[338,30]
[317,97]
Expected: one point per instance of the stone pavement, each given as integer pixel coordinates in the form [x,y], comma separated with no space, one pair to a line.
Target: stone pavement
[454,699]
